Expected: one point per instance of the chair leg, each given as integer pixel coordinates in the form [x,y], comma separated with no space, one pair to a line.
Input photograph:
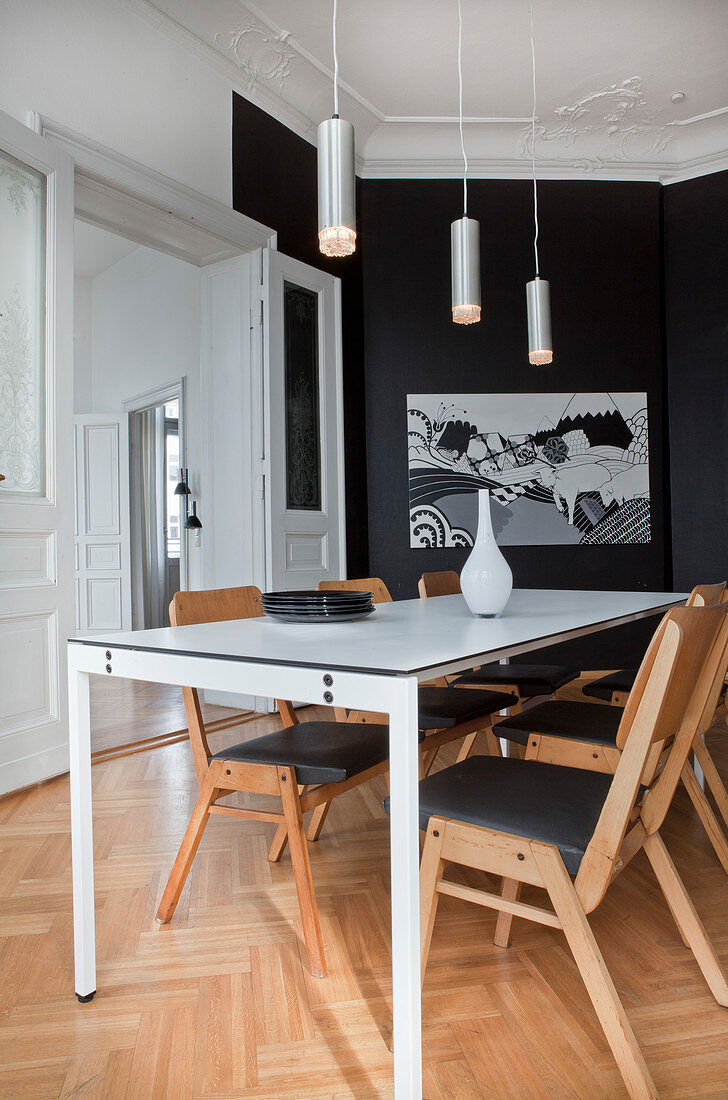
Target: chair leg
[316,823]
[427,759]
[712,778]
[493,742]
[716,836]
[430,871]
[511,890]
[686,918]
[302,871]
[190,844]
[467,746]
[595,975]
[278,843]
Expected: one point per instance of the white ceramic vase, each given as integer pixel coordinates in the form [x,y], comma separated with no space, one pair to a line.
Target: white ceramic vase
[486,580]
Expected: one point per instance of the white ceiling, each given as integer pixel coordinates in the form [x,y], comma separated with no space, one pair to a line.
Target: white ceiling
[606,72]
[96,250]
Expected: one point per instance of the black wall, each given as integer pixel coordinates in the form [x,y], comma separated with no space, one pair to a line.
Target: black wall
[601,248]
[274,181]
[696,293]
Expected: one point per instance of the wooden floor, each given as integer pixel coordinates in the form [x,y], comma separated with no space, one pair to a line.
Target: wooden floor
[219,1004]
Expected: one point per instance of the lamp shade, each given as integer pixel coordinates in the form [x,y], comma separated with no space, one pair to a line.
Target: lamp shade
[336,188]
[182,489]
[193,521]
[465,260]
[538,306]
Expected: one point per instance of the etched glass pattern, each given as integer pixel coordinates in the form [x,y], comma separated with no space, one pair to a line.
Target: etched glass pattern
[22,328]
[303,433]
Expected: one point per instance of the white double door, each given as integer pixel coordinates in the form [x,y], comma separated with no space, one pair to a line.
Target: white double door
[36,454]
[272,407]
[272,387]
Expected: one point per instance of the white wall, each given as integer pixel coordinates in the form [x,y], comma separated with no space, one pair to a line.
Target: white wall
[102,69]
[145,333]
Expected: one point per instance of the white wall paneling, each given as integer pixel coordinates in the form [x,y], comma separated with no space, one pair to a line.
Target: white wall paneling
[102,512]
[27,558]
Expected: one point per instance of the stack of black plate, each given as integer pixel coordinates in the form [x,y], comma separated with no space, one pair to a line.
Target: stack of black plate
[311,606]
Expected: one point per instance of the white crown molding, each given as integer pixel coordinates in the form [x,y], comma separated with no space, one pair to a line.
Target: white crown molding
[611,133]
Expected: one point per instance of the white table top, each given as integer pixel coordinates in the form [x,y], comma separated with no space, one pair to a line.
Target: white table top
[404,638]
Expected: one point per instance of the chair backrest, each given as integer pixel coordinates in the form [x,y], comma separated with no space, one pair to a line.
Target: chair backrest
[216,605]
[211,606]
[378,589]
[707,595]
[679,677]
[446,583]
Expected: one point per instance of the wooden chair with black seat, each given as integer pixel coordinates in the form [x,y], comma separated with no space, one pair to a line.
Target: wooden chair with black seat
[584,735]
[304,765]
[614,687]
[445,714]
[572,832]
[525,681]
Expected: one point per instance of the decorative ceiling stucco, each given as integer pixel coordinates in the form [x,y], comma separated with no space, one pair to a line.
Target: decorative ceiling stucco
[599,116]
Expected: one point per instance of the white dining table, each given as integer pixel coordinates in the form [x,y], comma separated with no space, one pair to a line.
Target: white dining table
[372,664]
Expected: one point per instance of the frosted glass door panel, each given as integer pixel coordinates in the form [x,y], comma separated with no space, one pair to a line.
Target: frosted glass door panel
[22,328]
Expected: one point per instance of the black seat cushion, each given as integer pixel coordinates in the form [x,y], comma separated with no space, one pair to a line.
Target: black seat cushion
[443,708]
[603,688]
[531,679]
[544,802]
[578,721]
[321,752]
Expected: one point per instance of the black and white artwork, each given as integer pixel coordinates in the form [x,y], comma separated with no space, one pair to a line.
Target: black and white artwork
[561,467]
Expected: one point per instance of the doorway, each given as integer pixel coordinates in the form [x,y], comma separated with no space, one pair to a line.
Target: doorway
[159,503]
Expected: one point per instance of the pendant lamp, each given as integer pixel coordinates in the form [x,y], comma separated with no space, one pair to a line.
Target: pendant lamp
[465,232]
[336,177]
[538,296]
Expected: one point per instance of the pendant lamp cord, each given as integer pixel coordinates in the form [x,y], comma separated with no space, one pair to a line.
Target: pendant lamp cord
[533,143]
[460,82]
[336,64]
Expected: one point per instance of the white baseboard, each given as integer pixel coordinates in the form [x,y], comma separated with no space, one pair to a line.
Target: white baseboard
[16,774]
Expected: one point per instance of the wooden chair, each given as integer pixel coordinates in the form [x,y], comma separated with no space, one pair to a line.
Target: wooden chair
[582,735]
[304,765]
[524,680]
[615,686]
[445,715]
[572,832]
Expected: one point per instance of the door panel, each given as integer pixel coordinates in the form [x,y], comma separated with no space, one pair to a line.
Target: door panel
[102,557]
[36,453]
[304,425]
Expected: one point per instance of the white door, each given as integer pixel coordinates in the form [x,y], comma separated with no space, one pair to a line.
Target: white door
[304,433]
[36,453]
[102,550]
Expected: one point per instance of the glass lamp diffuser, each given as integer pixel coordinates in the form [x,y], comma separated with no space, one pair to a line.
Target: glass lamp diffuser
[336,188]
[465,258]
[538,304]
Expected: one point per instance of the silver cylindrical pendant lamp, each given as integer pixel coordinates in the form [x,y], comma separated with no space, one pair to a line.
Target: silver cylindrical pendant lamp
[538,306]
[465,260]
[336,188]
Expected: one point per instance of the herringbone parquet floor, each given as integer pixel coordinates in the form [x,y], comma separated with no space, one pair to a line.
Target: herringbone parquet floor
[218,1003]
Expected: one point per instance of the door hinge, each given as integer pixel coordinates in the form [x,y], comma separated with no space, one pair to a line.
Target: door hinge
[261,485]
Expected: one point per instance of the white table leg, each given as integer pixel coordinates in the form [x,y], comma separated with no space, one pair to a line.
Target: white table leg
[404,834]
[82,843]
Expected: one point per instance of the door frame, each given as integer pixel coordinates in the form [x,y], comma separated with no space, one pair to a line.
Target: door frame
[119,194]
